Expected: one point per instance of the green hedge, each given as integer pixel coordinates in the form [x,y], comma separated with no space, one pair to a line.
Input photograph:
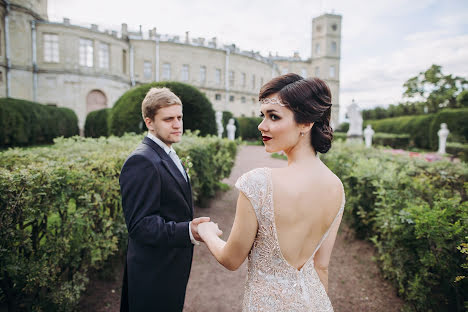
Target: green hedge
[457,123]
[458,150]
[61,215]
[248,128]
[416,213]
[423,128]
[25,123]
[97,123]
[391,139]
[198,111]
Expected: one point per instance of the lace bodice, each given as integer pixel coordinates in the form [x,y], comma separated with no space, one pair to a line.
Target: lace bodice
[272,283]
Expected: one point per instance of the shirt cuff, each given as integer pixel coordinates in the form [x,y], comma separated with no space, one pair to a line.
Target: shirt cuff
[193,240]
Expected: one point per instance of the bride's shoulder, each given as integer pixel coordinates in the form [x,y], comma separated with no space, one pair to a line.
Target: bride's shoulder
[256,175]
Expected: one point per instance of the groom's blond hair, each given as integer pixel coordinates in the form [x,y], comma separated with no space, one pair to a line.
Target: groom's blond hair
[157,98]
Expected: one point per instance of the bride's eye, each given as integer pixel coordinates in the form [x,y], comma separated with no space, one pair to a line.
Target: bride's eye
[274,117]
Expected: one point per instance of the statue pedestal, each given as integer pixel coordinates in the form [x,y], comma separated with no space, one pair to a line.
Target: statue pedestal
[354,139]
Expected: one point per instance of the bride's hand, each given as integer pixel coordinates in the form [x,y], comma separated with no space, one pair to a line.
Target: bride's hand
[206,229]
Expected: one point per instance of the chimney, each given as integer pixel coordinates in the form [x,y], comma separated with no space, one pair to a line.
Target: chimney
[66,21]
[201,41]
[187,40]
[124,30]
[94,27]
[141,31]
[215,42]
[296,55]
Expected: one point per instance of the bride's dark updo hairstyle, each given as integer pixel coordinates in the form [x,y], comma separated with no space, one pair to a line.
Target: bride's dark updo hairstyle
[310,101]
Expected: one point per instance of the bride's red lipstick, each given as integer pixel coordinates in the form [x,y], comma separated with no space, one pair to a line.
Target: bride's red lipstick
[265,138]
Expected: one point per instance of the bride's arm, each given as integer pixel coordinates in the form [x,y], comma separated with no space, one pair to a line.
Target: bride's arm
[322,256]
[231,254]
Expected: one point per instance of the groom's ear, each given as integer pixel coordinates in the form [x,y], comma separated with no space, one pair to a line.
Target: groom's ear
[149,123]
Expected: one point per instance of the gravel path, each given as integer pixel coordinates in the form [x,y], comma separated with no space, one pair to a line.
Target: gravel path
[355,282]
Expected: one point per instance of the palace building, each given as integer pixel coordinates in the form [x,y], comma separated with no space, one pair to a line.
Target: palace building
[86,68]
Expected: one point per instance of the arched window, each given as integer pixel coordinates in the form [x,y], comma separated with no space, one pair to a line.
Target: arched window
[333,47]
[95,100]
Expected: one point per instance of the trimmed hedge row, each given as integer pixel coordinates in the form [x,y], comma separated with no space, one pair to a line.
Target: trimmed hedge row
[97,123]
[458,150]
[61,215]
[25,123]
[248,128]
[423,129]
[416,213]
[198,111]
[382,139]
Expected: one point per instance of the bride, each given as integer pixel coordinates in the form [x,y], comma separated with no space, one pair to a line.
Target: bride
[286,218]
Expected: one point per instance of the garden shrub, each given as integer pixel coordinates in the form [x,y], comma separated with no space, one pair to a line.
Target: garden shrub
[97,122]
[415,212]
[61,214]
[25,123]
[198,111]
[390,139]
[248,128]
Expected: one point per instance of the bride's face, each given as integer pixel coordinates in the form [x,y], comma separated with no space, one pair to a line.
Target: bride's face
[279,130]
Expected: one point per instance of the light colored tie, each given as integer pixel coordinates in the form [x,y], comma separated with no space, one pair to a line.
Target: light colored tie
[176,161]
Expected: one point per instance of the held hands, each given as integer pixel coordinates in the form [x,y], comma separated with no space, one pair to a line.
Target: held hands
[194,227]
[209,228]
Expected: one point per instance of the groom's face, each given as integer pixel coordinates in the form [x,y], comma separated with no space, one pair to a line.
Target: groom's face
[167,124]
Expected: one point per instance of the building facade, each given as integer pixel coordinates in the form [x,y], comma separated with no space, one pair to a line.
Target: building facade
[85,69]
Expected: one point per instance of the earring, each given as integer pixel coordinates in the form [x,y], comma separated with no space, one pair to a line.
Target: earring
[302,133]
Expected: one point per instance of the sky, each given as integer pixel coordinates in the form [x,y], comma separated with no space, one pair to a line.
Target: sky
[383,43]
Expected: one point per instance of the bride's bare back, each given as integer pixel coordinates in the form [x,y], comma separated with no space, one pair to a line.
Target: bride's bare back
[306,201]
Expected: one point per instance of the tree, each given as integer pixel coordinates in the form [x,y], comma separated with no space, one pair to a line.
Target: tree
[436,89]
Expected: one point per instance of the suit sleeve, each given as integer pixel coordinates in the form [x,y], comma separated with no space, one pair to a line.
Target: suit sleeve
[140,185]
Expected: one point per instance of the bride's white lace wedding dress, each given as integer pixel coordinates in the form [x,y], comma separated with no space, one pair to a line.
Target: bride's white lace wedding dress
[272,283]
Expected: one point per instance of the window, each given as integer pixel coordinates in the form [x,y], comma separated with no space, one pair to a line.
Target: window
[243,99]
[231,98]
[231,78]
[166,74]
[304,73]
[51,48]
[124,61]
[1,76]
[243,80]
[86,52]
[333,47]
[218,97]
[334,27]
[185,72]
[317,48]
[317,71]
[202,74]
[218,76]
[332,71]
[253,81]
[103,55]
[147,70]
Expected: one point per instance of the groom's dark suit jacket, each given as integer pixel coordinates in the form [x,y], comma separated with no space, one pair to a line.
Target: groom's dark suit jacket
[157,204]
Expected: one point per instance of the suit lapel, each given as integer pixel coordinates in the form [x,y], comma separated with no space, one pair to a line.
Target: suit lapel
[173,170]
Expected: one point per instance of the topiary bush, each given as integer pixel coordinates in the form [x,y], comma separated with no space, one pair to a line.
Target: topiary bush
[248,128]
[97,123]
[198,111]
[25,123]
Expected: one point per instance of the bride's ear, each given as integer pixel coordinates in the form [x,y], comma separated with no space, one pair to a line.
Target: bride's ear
[305,127]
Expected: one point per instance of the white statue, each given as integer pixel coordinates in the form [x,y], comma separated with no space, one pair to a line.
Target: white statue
[443,134]
[355,121]
[231,130]
[368,133]
[219,123]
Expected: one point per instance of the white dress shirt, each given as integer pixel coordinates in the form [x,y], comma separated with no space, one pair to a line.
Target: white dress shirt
[168,149]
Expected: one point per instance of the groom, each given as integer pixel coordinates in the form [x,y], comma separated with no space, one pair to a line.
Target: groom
[158,209]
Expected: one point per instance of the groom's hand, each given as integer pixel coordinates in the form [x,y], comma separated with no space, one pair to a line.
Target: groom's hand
[194,227]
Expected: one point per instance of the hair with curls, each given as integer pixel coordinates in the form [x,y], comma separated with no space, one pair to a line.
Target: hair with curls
[310,101]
